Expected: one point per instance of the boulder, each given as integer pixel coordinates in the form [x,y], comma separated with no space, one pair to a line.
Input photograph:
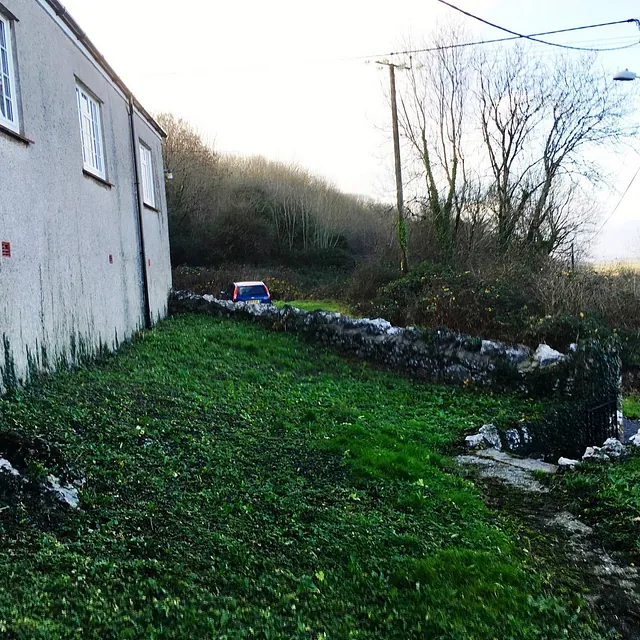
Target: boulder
[513,439]
[66,494]
[595,454]
[614,448]
[567,463]
[491,436]
[7,467]
[545,356]
[474,441]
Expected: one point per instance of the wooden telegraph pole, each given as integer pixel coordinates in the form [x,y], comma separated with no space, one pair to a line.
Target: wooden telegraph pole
[402,222]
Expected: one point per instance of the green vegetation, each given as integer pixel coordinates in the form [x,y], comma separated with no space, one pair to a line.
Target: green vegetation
[314,305]
[631,407]
[244,484]
[608,498]
[547,304]
[224,208]
[516,303]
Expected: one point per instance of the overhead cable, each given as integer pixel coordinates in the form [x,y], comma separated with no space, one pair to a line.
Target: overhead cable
[534,38]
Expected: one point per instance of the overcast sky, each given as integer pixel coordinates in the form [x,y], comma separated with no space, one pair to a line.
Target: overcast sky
[283,78]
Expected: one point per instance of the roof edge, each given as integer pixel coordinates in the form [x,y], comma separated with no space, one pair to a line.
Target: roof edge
[66,17]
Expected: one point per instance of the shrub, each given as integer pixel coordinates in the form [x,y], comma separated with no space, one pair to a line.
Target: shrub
[434,296]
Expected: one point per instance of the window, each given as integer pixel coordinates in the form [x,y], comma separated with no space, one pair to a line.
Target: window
[8,105]
[146,167]
[91,133]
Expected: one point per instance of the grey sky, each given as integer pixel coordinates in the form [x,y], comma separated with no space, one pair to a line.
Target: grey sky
[279,78]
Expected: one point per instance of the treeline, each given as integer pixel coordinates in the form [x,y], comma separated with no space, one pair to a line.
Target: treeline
[506,148]
[252,210]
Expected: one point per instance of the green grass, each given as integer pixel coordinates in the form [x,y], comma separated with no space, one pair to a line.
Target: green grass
[314,305]
[243,484]
[631,407]
[607,496]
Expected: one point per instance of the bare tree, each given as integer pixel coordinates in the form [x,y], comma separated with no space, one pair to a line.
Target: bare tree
[511,107]
[509,140]
[434,110]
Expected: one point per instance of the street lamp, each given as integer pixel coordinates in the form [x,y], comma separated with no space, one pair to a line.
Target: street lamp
[626,76]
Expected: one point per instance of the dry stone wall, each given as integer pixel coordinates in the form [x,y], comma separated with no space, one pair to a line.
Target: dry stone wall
[441,355]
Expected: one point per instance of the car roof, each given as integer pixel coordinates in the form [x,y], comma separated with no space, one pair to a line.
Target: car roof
[249,283]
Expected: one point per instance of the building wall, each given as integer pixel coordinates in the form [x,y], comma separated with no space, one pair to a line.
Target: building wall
[60,296]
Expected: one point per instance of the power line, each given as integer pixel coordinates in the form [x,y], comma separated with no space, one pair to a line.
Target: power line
[515,37]
[533,37]
[635,175]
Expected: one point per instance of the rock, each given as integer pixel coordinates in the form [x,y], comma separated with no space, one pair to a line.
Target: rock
[515,353]
[567,463]
[527,464]
[513,439]
[614,448]
[474,460]
[571,524]
[476,440]
[457,373]
[64,493]
[545,356]
[635,439]
[491,435]
[7,467]
[595,454]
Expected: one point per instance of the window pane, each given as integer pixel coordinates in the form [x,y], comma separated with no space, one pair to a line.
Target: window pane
[146,174]
[7,110]
[91,132]
[2,103]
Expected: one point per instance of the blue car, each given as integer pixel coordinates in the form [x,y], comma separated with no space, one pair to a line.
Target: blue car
[253,292]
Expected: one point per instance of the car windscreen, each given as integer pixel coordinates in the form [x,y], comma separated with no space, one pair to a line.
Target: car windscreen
[252,290]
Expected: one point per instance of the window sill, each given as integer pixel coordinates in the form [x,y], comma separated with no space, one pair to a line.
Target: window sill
[148,206]
[13,134]
[102,181]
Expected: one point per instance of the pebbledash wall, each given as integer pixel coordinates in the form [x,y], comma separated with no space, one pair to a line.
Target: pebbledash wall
[77,249]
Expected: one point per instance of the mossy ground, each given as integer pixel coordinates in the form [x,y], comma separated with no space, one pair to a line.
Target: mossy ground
[631,407]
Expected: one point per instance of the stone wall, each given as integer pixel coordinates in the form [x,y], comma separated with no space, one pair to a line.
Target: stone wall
[442,356]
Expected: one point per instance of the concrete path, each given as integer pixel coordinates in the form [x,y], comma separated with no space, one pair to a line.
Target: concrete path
[517,472]
[528,464]
[631,427]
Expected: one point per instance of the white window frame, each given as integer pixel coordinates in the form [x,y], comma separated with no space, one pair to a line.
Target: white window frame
[9,93]
[147,175]
[90,119]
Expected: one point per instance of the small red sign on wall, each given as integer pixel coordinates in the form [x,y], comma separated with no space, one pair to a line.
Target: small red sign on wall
[6,249]
[149,262]
[110,258]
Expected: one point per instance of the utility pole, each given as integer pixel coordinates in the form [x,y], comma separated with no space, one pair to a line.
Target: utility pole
[402,222]
[573,258]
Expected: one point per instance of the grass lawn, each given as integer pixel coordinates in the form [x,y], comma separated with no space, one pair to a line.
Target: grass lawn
[243,484]
[631,407]
[313,305]
[608,498]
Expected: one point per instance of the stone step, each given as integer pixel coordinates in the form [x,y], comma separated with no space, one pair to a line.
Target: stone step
[527,464]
